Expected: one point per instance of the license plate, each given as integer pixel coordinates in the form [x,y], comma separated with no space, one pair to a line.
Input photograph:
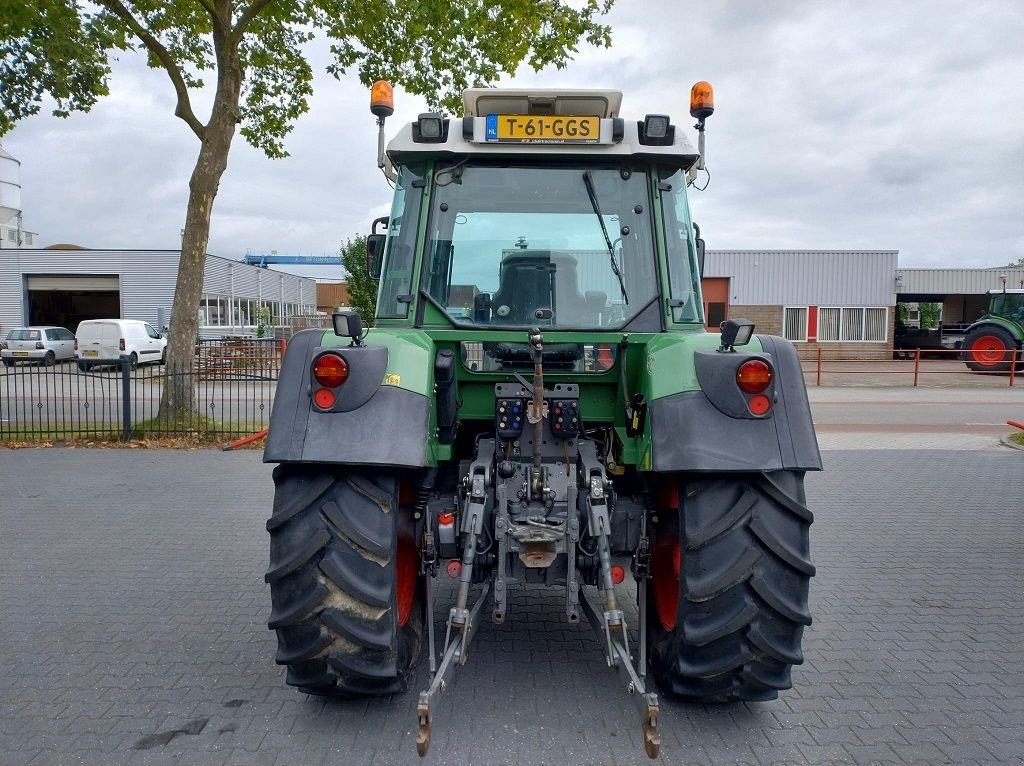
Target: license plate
[21,353]
[546,129]
[91,353]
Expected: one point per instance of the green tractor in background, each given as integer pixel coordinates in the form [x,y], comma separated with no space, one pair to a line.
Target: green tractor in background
[539,402]
[993,342]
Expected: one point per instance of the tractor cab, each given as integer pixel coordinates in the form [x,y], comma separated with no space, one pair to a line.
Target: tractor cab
[540,208]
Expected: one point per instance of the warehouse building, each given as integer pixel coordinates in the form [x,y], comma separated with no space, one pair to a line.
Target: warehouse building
[65,285]
[842,300]
[961,292]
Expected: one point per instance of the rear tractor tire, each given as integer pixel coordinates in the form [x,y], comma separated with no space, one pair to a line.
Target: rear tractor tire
[989,349]
[730,574]
[346,593]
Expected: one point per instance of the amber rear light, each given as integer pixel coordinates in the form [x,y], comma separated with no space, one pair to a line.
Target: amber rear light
[330,370]
[754,376]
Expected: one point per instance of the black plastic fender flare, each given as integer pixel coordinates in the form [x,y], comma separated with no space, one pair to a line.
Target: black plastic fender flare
[389,425]
[690,433]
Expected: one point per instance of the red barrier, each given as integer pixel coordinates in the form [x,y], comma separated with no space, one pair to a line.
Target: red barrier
[929,361]
[247,440]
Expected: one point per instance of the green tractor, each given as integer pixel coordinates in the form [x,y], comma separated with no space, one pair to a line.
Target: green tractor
[993,342]
[539,403]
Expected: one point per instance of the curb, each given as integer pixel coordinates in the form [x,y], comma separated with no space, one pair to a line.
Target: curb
[1012,445]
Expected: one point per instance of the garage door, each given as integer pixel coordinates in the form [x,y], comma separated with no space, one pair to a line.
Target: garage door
[74,282]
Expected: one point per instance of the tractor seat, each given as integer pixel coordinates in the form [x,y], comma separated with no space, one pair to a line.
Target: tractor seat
[532,281]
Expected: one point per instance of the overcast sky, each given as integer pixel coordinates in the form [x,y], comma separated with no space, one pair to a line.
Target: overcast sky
[838,125]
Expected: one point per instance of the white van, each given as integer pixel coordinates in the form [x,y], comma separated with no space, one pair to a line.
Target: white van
[103,340]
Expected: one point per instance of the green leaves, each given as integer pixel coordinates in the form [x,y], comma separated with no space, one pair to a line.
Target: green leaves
[437,48]
[50,47]
[431,48]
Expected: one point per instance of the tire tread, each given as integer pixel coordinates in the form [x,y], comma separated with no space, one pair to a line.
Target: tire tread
[744,586]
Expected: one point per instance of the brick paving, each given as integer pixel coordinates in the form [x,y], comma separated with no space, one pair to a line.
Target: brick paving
[133,611]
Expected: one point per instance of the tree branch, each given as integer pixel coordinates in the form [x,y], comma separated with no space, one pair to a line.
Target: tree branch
[183,109]
[209,9]
[246,17]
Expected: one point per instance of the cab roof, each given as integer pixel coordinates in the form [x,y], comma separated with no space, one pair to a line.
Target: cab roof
[620,138]
[479,102]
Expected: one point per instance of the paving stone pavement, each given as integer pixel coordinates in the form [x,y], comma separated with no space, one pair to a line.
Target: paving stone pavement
[133,631]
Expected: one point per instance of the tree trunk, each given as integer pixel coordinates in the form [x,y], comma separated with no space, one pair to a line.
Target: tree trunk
[178,402]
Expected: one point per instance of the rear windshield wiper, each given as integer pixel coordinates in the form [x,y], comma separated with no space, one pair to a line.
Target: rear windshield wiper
[588,181]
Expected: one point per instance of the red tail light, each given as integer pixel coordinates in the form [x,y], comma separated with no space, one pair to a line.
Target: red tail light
[754,376]
[39,345]
[121,344]
[76,344]
[330,370]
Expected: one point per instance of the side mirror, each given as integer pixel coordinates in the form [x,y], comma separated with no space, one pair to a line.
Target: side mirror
[375,254]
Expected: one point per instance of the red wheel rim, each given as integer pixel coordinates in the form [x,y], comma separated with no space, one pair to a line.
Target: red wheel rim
[988,350]
[665,566]
[405,578]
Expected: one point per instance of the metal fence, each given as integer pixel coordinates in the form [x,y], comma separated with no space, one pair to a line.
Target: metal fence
[233,382]
[913,367]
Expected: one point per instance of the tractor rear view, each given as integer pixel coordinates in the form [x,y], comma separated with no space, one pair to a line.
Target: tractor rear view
[997,339]
[539,402]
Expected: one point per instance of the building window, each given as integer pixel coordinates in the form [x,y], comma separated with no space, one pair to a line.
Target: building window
[853,324]
[28,238]
[215,310]
[794,323]
[12,235]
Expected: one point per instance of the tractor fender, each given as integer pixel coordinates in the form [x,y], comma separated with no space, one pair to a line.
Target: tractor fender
[1000,323]
[711,429]
[372,423]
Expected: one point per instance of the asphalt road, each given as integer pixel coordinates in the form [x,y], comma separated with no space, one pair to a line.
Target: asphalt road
[134,610]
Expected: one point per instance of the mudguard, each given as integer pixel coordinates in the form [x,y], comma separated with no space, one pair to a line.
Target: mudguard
[706,431]
[372,424]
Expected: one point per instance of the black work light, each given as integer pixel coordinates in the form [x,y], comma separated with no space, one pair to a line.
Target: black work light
[657,130]
[429,128]
[736,332]
[347,324]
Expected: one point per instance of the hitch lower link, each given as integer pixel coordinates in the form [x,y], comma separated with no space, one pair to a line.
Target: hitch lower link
[462,622]
[610,626]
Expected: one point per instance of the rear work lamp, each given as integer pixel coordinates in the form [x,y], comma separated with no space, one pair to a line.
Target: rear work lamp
[657,130]
[348,324]
[429,128]
[736,332]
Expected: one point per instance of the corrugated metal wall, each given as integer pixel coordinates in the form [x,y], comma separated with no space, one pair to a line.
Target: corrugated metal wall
[957,281]
[806,277]
[147,279]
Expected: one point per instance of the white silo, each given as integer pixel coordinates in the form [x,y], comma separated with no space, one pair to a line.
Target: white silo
[10,186]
